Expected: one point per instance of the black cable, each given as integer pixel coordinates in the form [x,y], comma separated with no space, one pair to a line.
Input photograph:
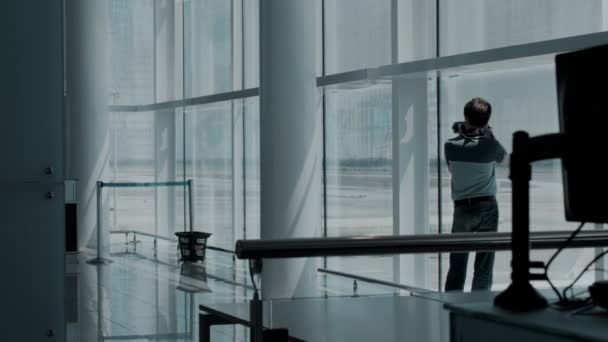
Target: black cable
[574,295]
[559,296]
[564,245]
[599,256]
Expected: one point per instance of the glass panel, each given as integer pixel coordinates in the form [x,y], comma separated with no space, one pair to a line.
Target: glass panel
[134,154]
[169,50]
[474,25]
[132,51]
[169,200]
[358,172]
[146,149]
[357,34]
[332,285]
[251,42]
[252,167]
[209,163]
[207,47]
[416,29]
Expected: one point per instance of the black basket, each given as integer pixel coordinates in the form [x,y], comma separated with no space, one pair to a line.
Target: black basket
[192,245]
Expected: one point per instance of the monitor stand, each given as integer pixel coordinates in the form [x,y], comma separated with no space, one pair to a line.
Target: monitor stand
[521,295]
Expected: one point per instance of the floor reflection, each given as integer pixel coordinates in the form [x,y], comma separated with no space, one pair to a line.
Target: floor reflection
[143,296]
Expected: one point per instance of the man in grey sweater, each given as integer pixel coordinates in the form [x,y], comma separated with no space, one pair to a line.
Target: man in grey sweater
[472,156]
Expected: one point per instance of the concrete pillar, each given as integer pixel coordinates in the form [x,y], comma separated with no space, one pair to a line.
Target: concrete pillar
[290,141]
[88,122]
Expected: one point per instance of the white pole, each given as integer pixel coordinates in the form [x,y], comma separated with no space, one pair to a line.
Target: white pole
[190,205]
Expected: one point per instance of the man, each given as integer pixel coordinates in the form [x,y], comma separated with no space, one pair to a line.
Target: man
[471,158]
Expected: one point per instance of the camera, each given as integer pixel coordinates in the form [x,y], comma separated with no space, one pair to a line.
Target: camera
[458,127]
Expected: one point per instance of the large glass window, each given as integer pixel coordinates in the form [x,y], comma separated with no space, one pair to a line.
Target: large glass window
[473,25]
[166,50]
[385,172]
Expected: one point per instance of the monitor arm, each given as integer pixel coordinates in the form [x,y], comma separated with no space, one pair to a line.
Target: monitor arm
[521,295]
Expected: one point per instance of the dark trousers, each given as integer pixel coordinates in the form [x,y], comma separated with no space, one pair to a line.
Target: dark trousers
[473,217]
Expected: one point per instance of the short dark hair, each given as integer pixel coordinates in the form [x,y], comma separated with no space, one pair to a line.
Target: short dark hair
[478,112]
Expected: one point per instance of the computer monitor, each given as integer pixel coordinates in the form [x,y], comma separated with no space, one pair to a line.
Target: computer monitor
[582,91]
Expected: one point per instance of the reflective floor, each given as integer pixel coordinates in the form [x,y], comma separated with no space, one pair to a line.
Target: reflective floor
[141,296]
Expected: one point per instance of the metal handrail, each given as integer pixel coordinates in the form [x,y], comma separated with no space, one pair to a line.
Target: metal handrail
[147,337]
[408,244]
[375,281]
[192,101]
